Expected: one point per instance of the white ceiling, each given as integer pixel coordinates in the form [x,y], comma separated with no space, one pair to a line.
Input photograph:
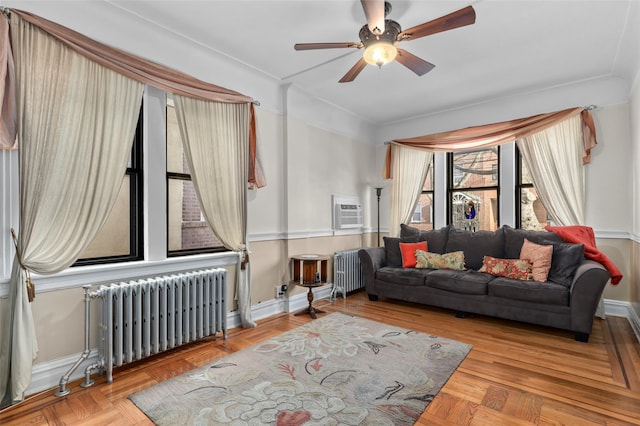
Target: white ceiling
[515,47]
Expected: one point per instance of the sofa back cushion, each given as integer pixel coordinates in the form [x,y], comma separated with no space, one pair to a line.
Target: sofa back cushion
[564,262]
[436,239]
[476,245]
[566,257]
[393,257]
[514,238]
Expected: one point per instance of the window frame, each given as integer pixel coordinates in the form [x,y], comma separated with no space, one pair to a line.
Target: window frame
[451,189]
[185,252]
[431,192]
[519,186]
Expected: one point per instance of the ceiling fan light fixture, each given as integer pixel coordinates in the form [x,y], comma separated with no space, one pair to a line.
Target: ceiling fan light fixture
[380,54]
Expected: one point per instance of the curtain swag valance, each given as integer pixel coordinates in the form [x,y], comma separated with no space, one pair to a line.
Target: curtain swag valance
[134,67]
[129,65]
[478,137]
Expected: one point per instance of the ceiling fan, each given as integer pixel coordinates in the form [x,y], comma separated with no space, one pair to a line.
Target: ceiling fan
[380,38]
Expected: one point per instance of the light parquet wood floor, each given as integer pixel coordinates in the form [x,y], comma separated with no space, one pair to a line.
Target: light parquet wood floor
[516,374]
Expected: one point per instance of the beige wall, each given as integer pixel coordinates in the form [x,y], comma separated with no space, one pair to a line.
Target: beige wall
[634,159]
[59,315]
[619,251]
[271,264]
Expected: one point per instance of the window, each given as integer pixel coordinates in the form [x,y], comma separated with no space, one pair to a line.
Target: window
[473,189]
[115,242]
[530,213]
[187,229]
[423,215]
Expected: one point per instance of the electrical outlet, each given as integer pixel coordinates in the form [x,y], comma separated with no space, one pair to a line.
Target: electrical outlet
[279,292]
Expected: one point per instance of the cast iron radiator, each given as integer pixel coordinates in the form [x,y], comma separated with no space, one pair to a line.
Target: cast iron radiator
[151,315]
[347,272]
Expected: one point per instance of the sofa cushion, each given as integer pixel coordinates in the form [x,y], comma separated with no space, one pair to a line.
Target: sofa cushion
[465,282]
[540,257]
[392,254]
[425,259]
[403,276]
[519,269]
[514,238]
[564,262]
[529,291]
[436,238]
[408,252]
[476,245]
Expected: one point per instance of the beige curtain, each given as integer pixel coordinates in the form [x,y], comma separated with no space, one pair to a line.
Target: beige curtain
[133,66]
[498,133]
[76,123]
[410,167]
[553,157]
[7,96]
[216,142]
[147,72]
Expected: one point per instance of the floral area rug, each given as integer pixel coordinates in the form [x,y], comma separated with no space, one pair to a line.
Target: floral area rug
[337,369]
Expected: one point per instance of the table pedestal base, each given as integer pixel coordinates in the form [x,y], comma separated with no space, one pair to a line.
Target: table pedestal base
[310,309]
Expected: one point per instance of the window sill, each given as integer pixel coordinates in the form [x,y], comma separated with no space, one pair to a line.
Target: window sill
[106,273]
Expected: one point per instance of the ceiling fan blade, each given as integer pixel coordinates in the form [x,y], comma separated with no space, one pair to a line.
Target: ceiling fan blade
[415,64]
[311,46]
[457,19]
[374,11]
[354,71]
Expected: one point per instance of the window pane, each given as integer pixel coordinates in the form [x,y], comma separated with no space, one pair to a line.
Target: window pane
[525,176]
[533,215]
[428,182]
[114,237]
[475,210]
[475,169]
[423,215]
[188,229]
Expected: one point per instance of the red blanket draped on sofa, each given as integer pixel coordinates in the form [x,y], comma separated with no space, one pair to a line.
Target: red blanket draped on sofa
[578,234]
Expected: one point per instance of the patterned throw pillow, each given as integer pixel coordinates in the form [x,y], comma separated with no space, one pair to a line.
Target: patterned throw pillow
[519,269]
[453,260]
[539,256]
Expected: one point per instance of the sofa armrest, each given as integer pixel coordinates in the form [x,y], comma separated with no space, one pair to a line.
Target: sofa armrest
[371,259]
[585,292]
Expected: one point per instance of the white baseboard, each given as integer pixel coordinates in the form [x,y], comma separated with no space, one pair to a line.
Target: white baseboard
[617,308]
[47,375]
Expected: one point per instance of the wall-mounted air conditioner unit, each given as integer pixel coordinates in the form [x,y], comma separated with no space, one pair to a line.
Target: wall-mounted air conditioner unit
[347,212]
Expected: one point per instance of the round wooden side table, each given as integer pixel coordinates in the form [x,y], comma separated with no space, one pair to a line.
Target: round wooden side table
[309,271]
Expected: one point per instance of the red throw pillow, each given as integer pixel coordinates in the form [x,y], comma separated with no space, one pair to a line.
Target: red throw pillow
[408,251]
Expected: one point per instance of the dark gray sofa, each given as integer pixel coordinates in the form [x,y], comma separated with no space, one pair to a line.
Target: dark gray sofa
[568,300]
